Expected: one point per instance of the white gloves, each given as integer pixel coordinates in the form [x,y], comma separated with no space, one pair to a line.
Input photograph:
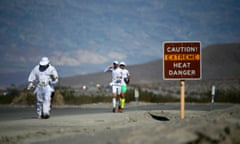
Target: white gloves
[53,79]
[30,86]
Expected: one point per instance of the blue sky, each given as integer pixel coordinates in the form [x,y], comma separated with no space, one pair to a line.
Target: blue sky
[83,36]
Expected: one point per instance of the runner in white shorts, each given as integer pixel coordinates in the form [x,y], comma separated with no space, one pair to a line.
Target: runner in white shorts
[116,82]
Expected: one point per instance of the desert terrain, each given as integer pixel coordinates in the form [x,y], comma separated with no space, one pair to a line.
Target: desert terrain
[139,123]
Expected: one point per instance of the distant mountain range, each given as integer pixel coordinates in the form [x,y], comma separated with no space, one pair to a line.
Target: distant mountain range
[219,62]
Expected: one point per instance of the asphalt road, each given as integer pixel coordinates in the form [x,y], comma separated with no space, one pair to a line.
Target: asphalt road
[9,112]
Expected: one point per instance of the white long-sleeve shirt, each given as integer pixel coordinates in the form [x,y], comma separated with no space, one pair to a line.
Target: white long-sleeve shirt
[116,75]
[125,74]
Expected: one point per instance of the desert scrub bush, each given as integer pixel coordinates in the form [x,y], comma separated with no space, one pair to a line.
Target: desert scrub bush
[197,97]
[191,99]
[24,98]
[58,98]
[72,98]
[66,91]
[5,99]
[148,96]
[228,96]
[8,96]
[223,96]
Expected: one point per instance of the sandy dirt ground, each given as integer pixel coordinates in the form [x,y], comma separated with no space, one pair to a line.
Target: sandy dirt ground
[220,126]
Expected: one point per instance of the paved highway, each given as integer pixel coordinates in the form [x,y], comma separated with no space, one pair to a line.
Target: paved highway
[9,112]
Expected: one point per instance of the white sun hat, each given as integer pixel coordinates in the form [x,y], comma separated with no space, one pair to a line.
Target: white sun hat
[44,61]
[122,63]
[115,62]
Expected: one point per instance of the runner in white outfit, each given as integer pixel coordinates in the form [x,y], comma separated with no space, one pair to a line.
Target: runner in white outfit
[43,77]
[116,82]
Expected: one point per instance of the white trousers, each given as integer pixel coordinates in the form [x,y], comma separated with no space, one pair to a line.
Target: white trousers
[43,95]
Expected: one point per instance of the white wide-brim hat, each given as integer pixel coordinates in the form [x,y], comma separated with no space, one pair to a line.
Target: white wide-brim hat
[44,61]
[122,63]
[115,62]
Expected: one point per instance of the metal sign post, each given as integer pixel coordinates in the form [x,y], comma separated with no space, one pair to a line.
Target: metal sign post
[182,61]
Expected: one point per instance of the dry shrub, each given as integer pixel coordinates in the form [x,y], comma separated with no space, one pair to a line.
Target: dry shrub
[24,98]
[58,98]
[29,98]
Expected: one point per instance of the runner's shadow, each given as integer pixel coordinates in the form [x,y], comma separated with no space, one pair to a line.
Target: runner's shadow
[159,118]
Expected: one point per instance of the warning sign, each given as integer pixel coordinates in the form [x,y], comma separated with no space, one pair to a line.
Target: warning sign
[182,60]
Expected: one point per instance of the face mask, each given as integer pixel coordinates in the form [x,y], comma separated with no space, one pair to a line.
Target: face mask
[43,68]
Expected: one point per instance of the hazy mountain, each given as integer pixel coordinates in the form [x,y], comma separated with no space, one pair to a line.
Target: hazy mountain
[219,61]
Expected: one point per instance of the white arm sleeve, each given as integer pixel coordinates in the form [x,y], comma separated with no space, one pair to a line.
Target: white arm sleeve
[55,74]
[32,75]
[107,69]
